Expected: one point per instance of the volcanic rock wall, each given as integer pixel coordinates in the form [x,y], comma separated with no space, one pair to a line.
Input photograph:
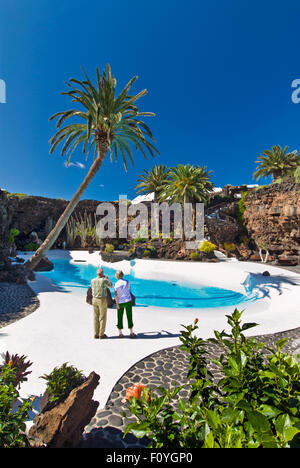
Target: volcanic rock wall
[32,213]
[272,215]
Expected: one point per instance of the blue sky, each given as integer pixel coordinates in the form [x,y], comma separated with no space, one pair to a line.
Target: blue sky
[218,75]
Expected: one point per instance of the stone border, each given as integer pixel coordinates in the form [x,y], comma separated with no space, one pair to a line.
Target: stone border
[17,301]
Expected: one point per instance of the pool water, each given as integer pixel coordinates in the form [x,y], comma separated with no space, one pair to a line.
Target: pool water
[76,277]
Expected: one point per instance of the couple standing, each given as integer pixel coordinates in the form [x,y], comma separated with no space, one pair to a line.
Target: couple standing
[99,287]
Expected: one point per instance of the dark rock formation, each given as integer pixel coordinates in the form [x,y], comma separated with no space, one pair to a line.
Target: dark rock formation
[44,265]
[222,230]
[272,217]
[63,425]
[15,273]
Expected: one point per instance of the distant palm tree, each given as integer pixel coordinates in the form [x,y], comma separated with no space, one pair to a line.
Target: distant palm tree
[151,180]
[276,162]
[110,123]
[187,184]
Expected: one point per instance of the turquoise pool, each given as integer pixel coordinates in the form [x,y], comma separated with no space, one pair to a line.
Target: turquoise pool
[76,277]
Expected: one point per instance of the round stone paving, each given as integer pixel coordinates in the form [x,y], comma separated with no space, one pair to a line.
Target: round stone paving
[16,301]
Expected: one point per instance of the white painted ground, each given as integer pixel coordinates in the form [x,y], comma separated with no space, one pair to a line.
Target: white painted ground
[61,329]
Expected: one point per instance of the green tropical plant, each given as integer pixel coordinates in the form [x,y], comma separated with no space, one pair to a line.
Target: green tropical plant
[187,184]
[241,209]
[13,233]
[31,246]
[297,175]
[206,246]
[230,246]
[152,180]
[277,162]
[255,404]
[194,256]
[19,365]
[104,122]
[109,248]
[62,380]
[12,423]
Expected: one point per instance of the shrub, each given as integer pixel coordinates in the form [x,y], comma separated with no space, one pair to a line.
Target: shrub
[206,246]
[229,246]
[256,404]
[152,250]
[13,233]
[31,246]
[140,239]
[194,256]
[297,175]
[241,209]
[19,195]
[62,380]
[109,248]
[12,424]
[147,253]
[19,366]
[244,240]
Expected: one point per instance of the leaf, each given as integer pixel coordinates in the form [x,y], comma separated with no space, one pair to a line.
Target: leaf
[209,441]
[213,418]
[269,411]
[258,421]
[269,441]
[182,405]
[137,429]
[284,426]
[246,326]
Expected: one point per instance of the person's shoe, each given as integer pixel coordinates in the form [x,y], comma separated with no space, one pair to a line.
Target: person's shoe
[121,336]
[96,337]
[103,336]
[132,335]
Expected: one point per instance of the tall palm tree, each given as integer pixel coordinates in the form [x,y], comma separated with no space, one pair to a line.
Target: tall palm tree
[151,181]
[187,184]
[107,123]
[276,162]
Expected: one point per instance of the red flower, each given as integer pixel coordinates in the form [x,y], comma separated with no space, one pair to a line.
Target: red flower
[136,391]
[195,321]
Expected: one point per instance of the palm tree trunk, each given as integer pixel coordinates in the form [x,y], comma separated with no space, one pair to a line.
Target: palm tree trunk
[53,235]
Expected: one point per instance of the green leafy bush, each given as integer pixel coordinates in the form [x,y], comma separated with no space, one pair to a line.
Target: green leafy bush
[152,250]
[297,175]
[13,233]
[139,239]
[256,404]
[241,209]
[229,246]
[206,246]
[62,380]
[19,366]
[31,246]
[109,248]
[194,256]
[147,253]
[12,424]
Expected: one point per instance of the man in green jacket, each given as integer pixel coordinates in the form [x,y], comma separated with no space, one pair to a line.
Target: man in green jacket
[99,287]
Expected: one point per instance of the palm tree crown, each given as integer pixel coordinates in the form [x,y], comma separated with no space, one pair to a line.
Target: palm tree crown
[104,122]
[152,180]
[186,184]
[276,162]
[109,121]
